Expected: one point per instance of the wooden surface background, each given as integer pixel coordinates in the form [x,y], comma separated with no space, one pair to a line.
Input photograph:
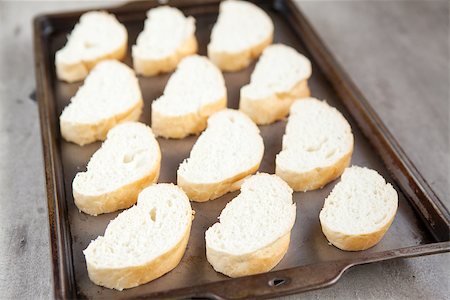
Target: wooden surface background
[397,53]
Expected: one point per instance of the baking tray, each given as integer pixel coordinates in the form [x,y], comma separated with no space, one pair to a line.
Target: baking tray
[421,226]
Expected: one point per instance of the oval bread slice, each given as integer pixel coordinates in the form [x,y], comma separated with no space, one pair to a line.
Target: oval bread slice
[254,231]
[241,33]
[317,145]
[227,151]
[280,77]
[359,210]
[168,36]
[110,95]
[194,92]
[97,36]
[128,161]
[144,242]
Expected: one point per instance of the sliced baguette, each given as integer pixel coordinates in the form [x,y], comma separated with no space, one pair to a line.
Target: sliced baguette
[97,36]
[144,242]
[280,77]
[359,210]
[241,33]
[254,231]
[128,161]
[227,151]
[194,92]
[168,36]
[110,95]
[317,145]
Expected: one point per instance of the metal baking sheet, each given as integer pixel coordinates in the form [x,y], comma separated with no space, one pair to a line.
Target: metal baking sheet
[421,225]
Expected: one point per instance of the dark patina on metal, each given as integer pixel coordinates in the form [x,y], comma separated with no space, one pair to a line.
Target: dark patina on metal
[421,226]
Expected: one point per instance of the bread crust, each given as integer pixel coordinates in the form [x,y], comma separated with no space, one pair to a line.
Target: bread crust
[260,261]
[86,133]
[355,242]
[202,192]
[121,198]
[235,61]
[152,67]
[316,178]
[128,277]
[73,72]
[275,107]
[177,127]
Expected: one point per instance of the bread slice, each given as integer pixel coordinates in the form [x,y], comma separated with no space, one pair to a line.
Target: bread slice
[317,145]
[110,95]
[168,36]
[128,161]
[97,36]
[359,210]
[144,242]
[280,77]
[240,34]
[194,92]
[254,231]
[227,151]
